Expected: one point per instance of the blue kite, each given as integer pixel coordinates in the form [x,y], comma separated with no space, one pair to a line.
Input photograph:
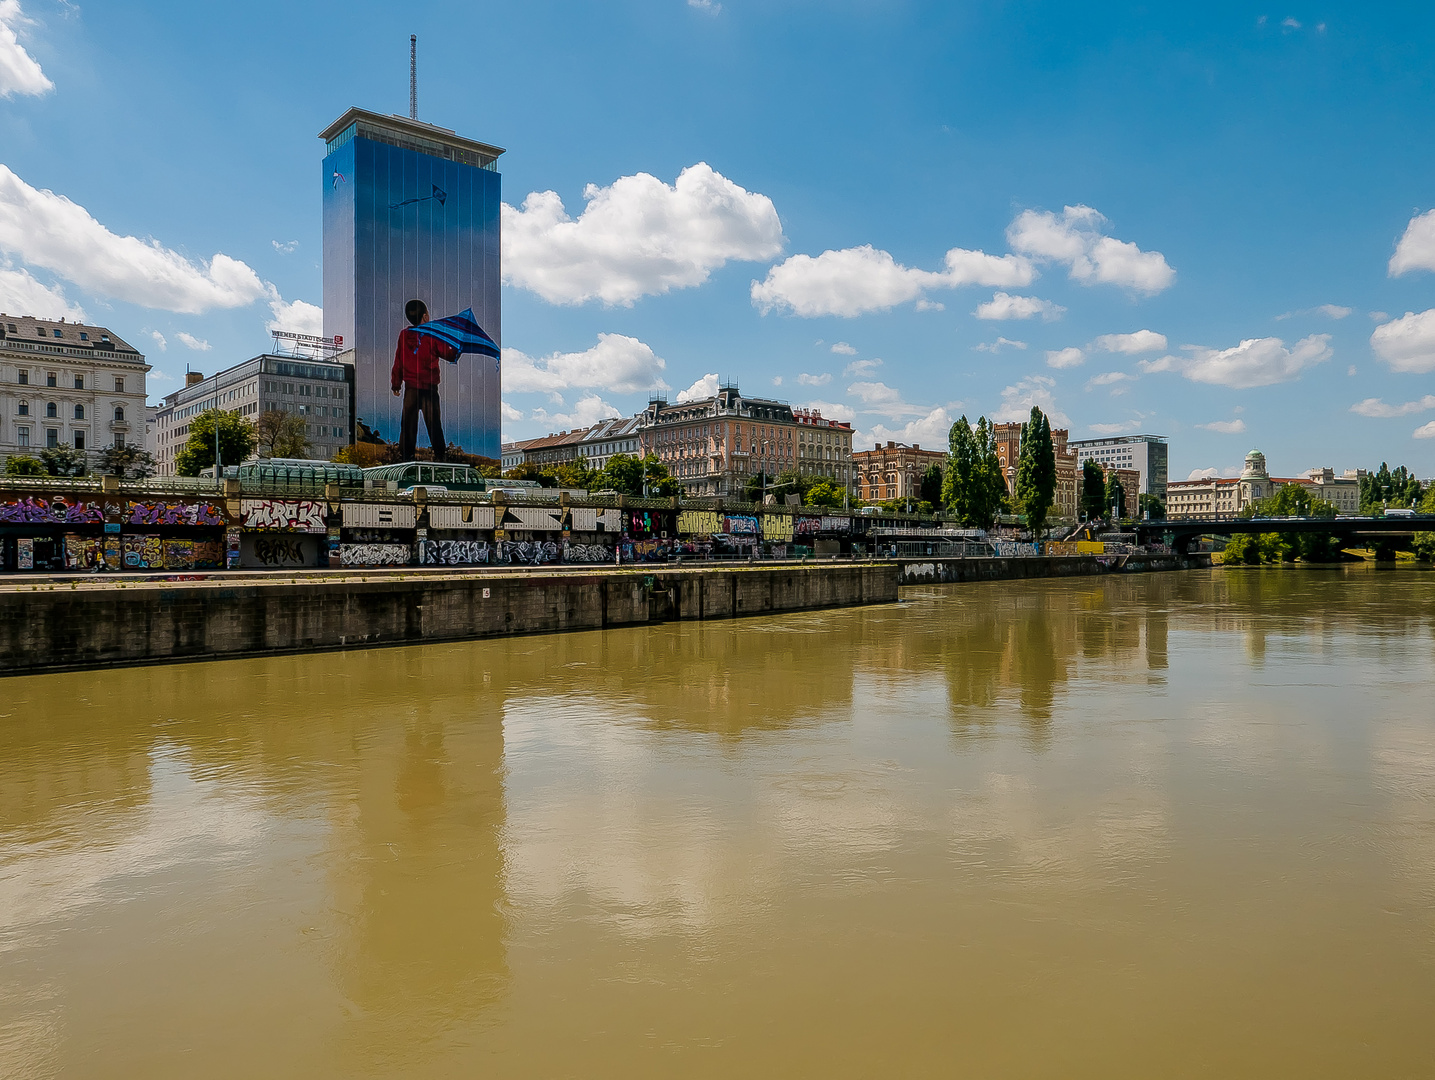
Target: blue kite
[461,332]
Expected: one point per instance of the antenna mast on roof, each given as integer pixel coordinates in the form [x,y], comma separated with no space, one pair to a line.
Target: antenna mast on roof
[413,76]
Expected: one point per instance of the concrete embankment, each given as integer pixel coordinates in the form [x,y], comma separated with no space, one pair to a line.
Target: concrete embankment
[62,627]
[941,571]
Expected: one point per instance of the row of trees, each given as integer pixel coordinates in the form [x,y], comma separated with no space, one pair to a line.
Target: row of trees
[974,487]
[1386,487]
[1289,500]
[132,462]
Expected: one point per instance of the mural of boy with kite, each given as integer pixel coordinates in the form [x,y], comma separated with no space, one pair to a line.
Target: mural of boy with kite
[420,347]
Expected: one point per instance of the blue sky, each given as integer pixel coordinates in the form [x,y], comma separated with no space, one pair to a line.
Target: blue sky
[772,181]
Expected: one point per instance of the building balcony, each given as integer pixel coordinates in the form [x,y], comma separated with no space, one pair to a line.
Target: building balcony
[120,427]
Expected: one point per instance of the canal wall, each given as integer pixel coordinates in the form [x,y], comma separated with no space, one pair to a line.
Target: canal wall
[952,571]
[62,627]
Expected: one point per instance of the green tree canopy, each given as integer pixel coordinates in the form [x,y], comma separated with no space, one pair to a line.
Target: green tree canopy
[1036,472]
[1093,490]
[236,441]
[280,434]
[127,461]
[1115,495]
[21,465]
[930,489]
[1153,504]
[64,460]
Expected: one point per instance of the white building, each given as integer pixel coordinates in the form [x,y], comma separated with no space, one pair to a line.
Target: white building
[70,384]
[1226,497]
[1147,454]
[318,390]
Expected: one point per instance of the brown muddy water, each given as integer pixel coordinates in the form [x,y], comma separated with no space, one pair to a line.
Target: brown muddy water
[1170,825]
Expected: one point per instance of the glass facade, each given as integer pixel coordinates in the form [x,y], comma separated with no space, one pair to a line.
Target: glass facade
[403,224]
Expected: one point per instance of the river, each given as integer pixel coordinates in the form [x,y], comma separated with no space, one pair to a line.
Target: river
[1163,825]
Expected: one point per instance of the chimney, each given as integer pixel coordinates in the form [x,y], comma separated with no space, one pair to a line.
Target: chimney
[890,446]
[192,377]
[916,446]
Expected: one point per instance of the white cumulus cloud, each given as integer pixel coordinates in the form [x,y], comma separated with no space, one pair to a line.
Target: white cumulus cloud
[862,279]
[1115,429]
[159,340]
[191,342]
[638,237]
[1212,473]
[617,363]
[999,344]
[1018,399]
[862,367]
[1407,343]
[508,412]
[19,72]
[930,431]
[287,247]
[814,380]
[295,316]
[1138,342]
[705,387]
[1005,306]
[48,230]
[1225,427]
[587,412]
[884,400]
[1108,378]
[1377,408]
[1076,239]
[1416,250]
[843,349]
[1425,431]
[1068,357]
[833,410]
[1254,362]
[22,294]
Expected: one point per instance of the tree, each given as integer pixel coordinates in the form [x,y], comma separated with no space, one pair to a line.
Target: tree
[64,460]
[279,434]
[1289,500]
[825,493]
[930,488]
[655,475]
[236,441]
[364,455]
[1036,472]
[127,461]
[1115,495]
[1387,487]
[757,486]
[1093,490]
[23,466]
[957,480]
[1424,541]
[989,494]
[1151,503]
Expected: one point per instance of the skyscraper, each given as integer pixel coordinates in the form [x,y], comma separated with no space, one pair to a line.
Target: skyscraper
[411,212]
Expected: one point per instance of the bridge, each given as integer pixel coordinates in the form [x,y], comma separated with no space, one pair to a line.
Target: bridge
[1179,533]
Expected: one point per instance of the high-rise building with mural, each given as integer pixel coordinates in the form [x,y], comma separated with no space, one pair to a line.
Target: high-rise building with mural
[411,211]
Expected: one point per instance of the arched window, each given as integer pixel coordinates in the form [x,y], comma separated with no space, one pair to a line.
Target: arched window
[51,409]
[79,412]
[24,408]
[119,413]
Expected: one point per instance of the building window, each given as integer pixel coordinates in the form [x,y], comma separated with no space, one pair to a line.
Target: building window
[119,442]
[52,438]
[51,409]
[79,382]
[79,412]
[119,385]
[120,414]
[51,379]
[79,440]
[23,377]
[22,436]
[24,408]
[84,336]
[58,334]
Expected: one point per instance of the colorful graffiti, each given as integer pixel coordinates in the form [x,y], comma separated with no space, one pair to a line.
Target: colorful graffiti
[699,522]
[57,511]
[741,525]
[159,512]
[832,523]
[1006,549]
[302,515]
[143,552]
[587,553]
[374,554]
[777,526]
[454,552]
[806,526]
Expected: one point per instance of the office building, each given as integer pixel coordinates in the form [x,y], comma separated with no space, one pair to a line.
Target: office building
[67,384]
[1147,454]
[411,211]
[318,390]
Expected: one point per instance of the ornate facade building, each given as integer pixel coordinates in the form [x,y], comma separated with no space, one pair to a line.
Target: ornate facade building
[1226,497]
[894,471]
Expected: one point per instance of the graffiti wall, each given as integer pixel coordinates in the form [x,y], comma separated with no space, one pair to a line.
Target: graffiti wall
[587,553]
[535,518]
[143,552]
[833,523]
[454,552]
[461,517]
[1060,547]
[374,554]
[165,512]
[806,525]
[741,525]
[1006,549]
[584,519]
[525,552]
[699,522]
[777,527]
[46,511]
[297,515]
[280,550]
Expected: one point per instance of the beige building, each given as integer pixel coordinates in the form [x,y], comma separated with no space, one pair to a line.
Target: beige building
[67,384]
[1066,500]
[1226,497]
[713,445]
[893,471]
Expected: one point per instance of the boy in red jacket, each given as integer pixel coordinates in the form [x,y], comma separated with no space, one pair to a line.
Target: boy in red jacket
[416,370]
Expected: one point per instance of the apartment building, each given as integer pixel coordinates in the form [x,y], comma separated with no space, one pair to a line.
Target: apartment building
[893,471]
[321,391]
[67,384]
[1226,497]
[1147,454]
